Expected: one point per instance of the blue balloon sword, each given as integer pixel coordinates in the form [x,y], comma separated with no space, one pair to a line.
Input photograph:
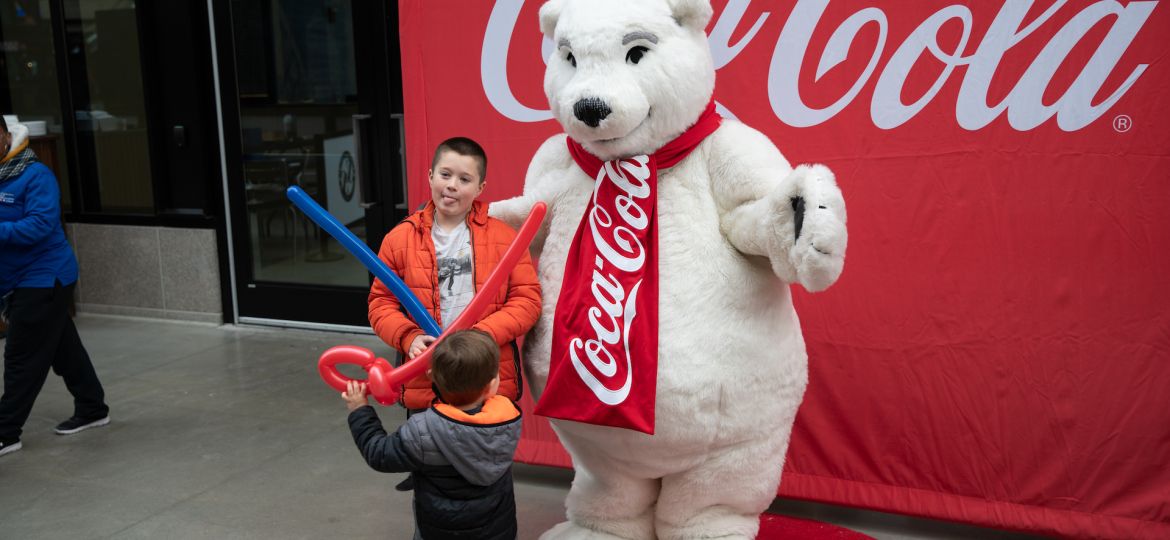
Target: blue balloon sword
[359,249]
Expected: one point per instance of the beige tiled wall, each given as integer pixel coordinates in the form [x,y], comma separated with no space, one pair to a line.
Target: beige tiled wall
[148,271]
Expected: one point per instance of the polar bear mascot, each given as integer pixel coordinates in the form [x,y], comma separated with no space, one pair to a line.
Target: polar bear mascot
[668,353]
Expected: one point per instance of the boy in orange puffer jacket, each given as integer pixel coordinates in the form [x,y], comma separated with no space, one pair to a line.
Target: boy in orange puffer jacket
[444,253]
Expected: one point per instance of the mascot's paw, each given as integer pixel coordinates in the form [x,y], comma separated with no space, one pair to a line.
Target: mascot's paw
[571,531]
[511,211]
[812,217]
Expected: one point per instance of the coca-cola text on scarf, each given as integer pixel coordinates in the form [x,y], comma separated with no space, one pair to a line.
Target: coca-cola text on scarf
[604,365]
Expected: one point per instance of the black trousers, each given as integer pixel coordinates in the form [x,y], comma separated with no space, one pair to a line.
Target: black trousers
[42,336]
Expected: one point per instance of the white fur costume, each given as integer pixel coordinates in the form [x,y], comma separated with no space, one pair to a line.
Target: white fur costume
[732,366]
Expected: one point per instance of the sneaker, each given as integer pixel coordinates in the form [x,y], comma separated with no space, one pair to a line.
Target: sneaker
[75,424]
[9,447]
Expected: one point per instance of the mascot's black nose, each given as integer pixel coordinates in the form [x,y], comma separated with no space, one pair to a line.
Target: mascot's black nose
[591,110]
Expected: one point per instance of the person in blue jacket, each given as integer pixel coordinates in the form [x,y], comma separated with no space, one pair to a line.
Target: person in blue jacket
[37,274]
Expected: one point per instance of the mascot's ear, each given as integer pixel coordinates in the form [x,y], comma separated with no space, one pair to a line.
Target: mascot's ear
[693,14]
[549,13]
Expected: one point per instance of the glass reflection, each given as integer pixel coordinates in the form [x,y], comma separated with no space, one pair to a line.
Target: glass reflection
[298,93]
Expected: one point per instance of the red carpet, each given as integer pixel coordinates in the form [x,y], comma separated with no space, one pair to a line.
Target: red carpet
[773,526]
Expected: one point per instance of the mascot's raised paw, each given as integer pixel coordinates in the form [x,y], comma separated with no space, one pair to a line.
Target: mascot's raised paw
[811,214]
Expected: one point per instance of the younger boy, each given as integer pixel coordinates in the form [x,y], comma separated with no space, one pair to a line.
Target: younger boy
[459,451]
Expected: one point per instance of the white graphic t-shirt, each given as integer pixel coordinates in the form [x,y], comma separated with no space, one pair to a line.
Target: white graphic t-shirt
[456,282]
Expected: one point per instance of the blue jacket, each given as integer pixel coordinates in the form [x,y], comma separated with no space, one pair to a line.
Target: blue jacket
[33,248]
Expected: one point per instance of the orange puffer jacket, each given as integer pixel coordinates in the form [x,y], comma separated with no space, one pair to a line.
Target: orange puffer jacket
[410,252]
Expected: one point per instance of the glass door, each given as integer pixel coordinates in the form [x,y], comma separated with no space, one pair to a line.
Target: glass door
[317,105]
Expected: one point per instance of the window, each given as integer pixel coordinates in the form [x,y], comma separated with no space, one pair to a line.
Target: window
[109,106]
[123,93]
[28,87]
[297,78]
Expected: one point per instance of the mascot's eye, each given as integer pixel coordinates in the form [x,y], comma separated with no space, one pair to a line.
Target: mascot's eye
[635,54]
[571,59]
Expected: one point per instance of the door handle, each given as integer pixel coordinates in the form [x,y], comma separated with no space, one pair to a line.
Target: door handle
[361,155]
[179,134]
[400,123]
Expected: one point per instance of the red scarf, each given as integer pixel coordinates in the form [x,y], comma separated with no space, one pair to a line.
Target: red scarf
[604,365]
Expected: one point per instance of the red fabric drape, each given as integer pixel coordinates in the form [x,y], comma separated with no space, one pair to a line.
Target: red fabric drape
[997,350]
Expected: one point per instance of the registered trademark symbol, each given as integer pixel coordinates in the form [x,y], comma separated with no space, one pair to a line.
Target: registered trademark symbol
[1122,123]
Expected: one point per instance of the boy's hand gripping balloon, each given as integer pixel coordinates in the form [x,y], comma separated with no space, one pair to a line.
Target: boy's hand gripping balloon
[384,380]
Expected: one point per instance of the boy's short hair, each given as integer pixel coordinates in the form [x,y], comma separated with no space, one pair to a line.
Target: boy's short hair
[463,364]
[464,147]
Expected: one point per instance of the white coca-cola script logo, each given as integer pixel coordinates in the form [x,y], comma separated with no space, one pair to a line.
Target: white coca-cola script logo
[1024,105]
[613,312]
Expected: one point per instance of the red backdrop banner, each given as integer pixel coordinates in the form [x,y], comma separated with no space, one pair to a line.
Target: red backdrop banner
[997,350]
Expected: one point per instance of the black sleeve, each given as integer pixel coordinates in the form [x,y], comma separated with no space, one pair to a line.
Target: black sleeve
[384,453]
